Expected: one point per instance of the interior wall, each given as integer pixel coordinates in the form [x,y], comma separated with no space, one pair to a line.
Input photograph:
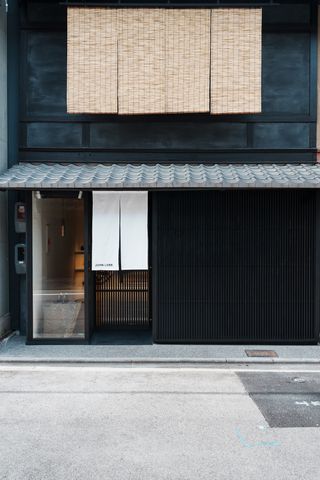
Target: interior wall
[57,259]
[4,297]
[62,246]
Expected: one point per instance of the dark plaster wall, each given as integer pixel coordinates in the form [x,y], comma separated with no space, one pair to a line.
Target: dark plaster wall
[285,131]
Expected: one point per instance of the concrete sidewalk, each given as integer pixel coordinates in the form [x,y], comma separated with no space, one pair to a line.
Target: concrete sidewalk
[15,350]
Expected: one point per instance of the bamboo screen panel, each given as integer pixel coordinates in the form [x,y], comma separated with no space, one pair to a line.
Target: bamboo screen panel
[236,61]
[92,60]
[141,61]
[187,60]
[144,61]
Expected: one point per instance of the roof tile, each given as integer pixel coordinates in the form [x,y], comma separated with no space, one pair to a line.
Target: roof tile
[37,176]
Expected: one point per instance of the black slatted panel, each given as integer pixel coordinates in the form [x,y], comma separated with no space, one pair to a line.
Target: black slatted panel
[122,299]
[235,266]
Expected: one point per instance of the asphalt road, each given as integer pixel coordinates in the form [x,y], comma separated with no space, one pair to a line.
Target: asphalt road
[95,422]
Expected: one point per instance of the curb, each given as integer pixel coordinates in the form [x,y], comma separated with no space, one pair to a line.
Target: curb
[159,361]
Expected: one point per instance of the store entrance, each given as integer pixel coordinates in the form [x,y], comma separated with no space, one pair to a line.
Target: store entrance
[57,283]
[122,307]
[120,267]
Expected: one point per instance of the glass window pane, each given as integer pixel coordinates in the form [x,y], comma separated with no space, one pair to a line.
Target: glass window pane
[58,268]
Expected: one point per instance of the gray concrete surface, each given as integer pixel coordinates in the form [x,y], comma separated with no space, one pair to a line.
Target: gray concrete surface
[4,300]
[285,400]
[93,422]
[15,349]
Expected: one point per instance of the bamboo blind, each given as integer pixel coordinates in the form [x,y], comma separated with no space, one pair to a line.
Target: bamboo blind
[92,81]
[187,60]
[235,61]
[141,61]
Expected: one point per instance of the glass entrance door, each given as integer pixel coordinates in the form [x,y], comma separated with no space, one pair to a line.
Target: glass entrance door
[58,309]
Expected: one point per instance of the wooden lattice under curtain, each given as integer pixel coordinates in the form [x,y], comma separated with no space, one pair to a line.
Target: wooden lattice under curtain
[143,61]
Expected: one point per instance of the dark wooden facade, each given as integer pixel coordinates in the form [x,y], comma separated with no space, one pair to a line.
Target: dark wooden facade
[265,225]
[284,132]
[235,267]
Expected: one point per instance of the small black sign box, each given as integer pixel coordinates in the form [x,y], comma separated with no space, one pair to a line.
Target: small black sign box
[20,217]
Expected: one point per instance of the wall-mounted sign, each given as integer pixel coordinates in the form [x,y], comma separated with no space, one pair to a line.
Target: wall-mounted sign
[20,217]
[20,258]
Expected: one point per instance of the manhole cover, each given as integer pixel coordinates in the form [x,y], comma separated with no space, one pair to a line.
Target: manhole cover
[261,353]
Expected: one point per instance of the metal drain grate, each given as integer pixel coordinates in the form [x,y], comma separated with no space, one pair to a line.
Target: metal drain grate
[261,353]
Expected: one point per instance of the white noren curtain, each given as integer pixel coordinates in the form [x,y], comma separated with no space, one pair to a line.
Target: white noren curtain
[105,230]
[134,231]
[120,231]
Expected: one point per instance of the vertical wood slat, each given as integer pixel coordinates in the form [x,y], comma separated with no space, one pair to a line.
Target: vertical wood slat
[122,299]
[245,271]
[236,44]
[92,79]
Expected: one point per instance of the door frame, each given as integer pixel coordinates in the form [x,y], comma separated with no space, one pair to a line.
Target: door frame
[90,284]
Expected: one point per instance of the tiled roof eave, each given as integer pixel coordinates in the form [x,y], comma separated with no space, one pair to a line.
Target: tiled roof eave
[35,176]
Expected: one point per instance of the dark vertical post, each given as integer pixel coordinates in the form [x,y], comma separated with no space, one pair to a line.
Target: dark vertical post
[29,286]
[313,74]
[13,81]
[154,264]
[89,287]
[150,250]
[13,129]
[317,269]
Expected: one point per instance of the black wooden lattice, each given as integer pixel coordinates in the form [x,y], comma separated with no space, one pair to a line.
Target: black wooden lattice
[122,299]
